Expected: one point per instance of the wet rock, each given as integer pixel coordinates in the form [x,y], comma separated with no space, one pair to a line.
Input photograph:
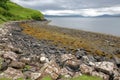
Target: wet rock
[10,55]
[17,65]
[12,74]
[85,69]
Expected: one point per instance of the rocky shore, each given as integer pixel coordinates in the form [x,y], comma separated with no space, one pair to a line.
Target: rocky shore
[26,57]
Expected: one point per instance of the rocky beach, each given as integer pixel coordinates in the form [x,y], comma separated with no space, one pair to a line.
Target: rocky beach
[34,49]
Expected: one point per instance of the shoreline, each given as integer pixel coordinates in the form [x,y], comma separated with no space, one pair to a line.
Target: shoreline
[98,38]
[33,50]
[87,31]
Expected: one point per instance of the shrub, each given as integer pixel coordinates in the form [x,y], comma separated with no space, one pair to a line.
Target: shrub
[36,17]
[3,4]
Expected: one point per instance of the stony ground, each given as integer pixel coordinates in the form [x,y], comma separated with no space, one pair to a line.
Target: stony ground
[26,57]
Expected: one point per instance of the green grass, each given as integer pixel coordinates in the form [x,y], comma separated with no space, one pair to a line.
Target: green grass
[85,77]
[17,12]
[47,78]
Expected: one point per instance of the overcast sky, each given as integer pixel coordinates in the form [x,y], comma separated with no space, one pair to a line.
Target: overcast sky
[77,7]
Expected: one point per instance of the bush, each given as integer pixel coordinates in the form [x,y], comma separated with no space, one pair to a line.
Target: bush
[36,17]
[3,4]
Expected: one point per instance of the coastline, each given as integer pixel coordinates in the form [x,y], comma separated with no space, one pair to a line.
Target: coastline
[101,40]
[31,48]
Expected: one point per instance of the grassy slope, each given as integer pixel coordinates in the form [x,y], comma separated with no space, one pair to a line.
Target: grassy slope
[17,12]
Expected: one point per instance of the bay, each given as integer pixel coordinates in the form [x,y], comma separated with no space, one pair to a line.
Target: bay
[107,25]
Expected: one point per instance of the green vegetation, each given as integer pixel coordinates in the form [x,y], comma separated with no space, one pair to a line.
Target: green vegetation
[5,79]
[47,78]
[85,77]
[1,61]
[11,79]
[20,79]
[27,67]
[10,11]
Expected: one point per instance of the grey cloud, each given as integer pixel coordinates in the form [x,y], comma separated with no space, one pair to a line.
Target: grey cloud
[67,4]
[62,5]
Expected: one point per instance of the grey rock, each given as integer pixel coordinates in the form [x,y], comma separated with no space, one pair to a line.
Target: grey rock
[106,67]
[117,60]
[32,75]
[51,69]
[65,57]
[80,53]
[85,69]
[65,72]
[73,64]
[10,55]
[4,66]
[101,75]
[26,60]
[17,65]
[12,73]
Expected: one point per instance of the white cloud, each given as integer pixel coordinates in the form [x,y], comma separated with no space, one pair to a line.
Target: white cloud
[86,12]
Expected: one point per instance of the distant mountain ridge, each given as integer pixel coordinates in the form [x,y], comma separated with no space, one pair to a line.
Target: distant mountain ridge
[81,16]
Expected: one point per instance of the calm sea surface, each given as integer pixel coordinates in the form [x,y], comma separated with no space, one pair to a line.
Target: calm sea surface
[101,25]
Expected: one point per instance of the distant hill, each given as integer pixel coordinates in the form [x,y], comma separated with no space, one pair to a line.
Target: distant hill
[10,11]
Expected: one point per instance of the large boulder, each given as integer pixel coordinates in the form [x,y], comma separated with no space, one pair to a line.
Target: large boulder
[26,60]
[65,57]
[106,67]
[52,69]
[77,74]
[66,73]
[116,60]
[10,55]
[73,64]
[17,65]
[32,75]
[117,78]
[79,53]
[85,69]
[3,66]
[12,73]
[101,75]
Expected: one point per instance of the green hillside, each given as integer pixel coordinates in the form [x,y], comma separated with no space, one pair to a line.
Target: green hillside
[10,11]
